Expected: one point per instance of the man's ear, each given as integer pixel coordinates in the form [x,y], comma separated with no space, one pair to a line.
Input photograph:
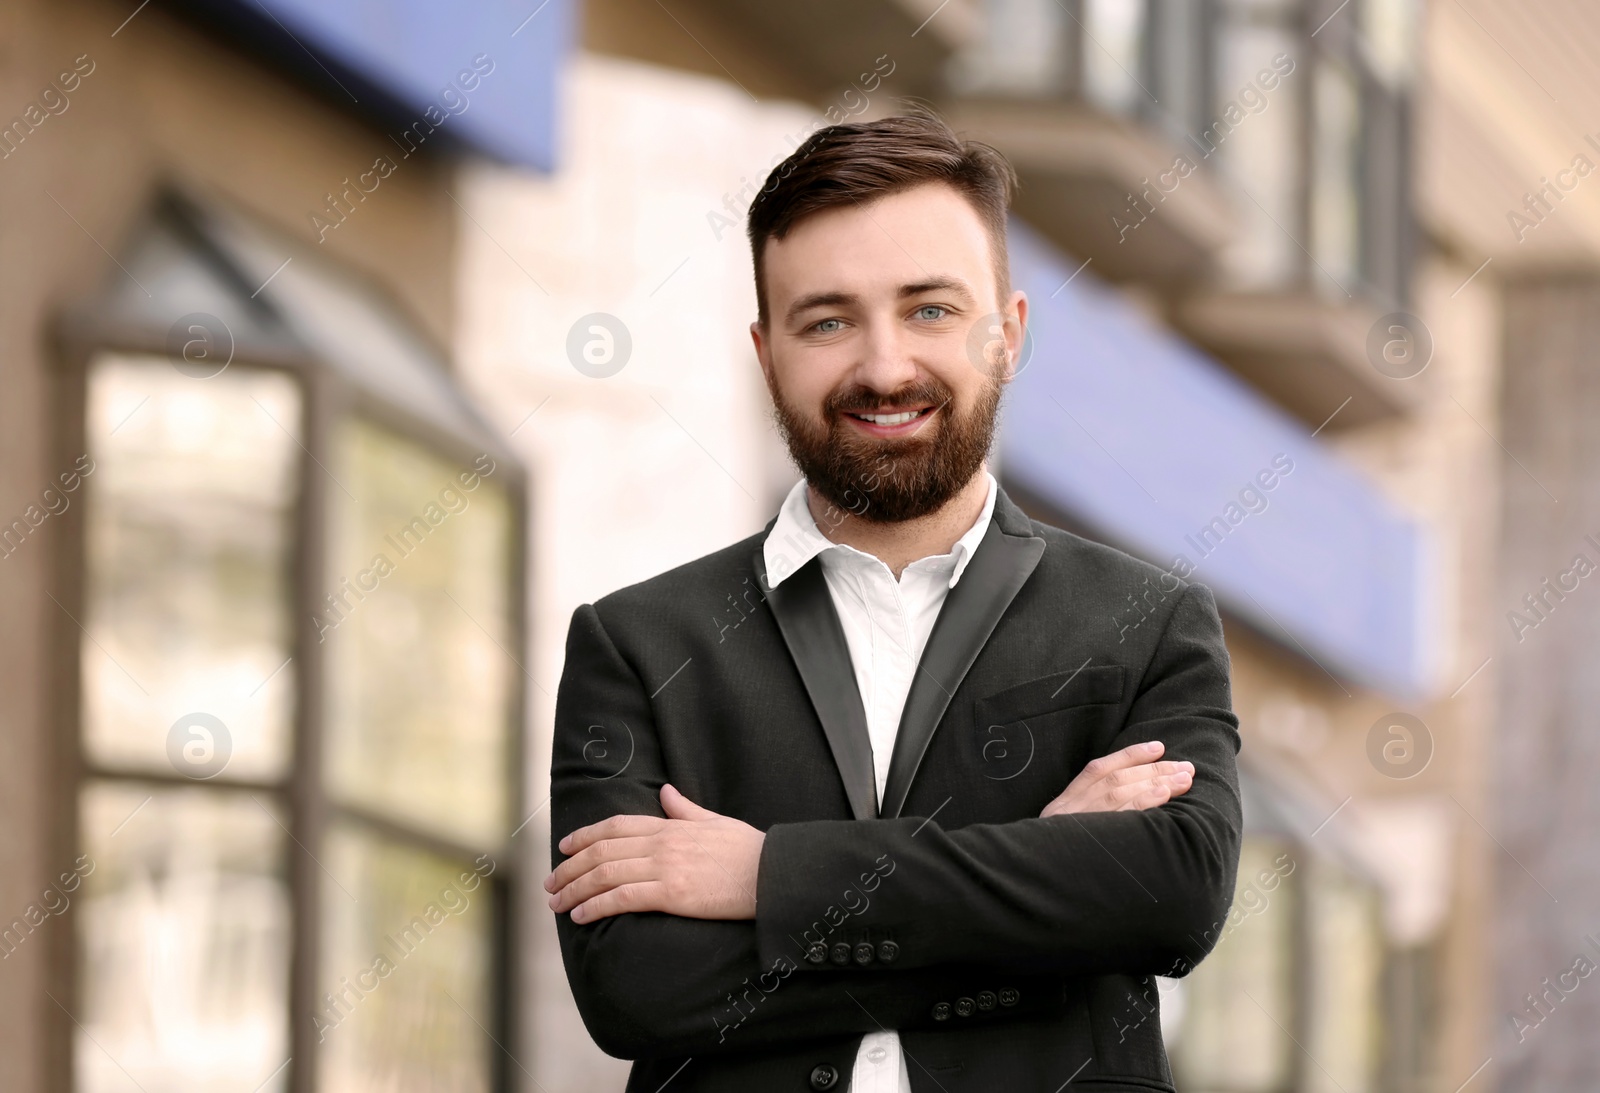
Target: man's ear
[763,350]
[1016,320]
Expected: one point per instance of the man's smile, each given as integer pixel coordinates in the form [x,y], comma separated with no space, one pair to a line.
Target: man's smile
[892,423]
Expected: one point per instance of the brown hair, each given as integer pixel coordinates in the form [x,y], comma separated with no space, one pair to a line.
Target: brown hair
[861,161]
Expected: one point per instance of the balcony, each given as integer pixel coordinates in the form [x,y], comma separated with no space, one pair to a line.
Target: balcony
[1106,189]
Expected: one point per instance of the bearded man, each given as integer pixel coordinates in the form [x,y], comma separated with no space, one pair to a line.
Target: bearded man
[915,814]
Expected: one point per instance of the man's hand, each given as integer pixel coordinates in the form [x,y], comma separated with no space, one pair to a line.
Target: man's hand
[693,863]
[1129,779]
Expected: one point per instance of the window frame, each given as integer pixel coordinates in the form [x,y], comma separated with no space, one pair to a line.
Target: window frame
[81,333]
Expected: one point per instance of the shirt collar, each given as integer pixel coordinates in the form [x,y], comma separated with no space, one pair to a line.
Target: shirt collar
[795,538]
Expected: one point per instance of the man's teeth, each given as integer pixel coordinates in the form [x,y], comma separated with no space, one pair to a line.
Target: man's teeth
[891,419]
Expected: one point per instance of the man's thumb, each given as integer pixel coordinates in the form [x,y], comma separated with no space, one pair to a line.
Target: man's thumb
[679,807]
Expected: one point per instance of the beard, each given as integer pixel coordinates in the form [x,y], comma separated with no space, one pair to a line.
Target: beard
[886,480]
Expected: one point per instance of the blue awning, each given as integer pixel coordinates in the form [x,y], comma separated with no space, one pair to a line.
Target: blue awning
[1157,448]
[401,62]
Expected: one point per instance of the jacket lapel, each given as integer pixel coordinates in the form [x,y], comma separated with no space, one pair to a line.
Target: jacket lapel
[1004,560]
[810,627]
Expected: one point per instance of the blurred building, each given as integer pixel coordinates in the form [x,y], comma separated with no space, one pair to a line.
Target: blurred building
[352,348]
[262,560]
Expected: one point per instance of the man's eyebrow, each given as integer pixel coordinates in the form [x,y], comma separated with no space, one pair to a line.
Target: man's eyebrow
[819,299]
[937,284]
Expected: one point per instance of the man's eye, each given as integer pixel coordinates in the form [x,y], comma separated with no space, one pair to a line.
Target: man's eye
[938,312]
[824,328]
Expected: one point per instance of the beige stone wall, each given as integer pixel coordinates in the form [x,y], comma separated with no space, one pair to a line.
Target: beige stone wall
[161,102]
[669,459]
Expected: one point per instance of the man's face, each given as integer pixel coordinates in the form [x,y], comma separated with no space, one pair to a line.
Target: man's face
[883,350]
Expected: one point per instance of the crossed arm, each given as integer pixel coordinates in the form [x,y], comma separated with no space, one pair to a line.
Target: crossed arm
[1124,872]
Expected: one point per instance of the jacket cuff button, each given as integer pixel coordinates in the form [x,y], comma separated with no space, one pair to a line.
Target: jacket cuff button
[1009,997]
[816,953]
[941,1011]
[841,952]
[964,1007]
[864,952]
[888,952]
[986,1000]
[824,1076]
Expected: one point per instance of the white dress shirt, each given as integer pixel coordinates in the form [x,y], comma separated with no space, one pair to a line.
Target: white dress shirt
[886,624]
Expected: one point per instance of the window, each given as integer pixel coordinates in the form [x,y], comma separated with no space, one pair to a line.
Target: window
[299,693]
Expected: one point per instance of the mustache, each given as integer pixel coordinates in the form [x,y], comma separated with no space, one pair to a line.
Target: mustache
[864,400]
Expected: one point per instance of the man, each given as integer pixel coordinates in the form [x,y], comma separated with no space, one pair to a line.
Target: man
[886,797]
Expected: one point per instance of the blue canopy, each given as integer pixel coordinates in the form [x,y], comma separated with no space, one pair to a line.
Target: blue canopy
[1153,446]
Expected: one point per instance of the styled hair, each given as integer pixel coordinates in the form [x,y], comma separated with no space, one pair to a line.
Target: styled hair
[857,162]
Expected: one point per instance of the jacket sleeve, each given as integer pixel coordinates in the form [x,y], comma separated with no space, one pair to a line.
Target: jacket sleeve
[1111,892]
[650,984]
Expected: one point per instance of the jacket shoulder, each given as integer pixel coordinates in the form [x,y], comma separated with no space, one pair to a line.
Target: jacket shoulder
[666,593]
[1092,560]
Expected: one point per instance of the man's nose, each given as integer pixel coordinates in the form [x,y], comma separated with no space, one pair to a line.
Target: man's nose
[886,363]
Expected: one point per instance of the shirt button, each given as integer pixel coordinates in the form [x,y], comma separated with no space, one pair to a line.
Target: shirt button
[986,1000]
[863,953]
[841,952]
[824,1076]
[964,1007]
[1009,997]
[877,1055]
[816,953]
[888,952]
[941,1011]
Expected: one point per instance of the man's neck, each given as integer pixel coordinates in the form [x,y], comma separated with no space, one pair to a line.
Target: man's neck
[899,544]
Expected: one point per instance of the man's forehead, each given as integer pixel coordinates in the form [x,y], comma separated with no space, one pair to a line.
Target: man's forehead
[930,240]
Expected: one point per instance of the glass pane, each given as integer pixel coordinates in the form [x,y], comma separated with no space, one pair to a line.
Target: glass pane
[1113,45]
[1346,984]
[191,496]
[405,996]
[1390,26]
[418,624]
[1253,136]
[183,941]
[1240,1000]
[1023,51]
[1336,179]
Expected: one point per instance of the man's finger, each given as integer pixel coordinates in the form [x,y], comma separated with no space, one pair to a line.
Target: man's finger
[1132,755]
[643,896]
[1128,776]
[1154,795]
[603,877]
[679,807]
[605,850]
[614,827]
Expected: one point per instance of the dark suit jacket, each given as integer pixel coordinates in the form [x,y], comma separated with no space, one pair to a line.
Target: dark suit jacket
[1011,952]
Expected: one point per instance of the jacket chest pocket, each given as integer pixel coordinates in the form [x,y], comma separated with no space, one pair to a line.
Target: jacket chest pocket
[1034,727]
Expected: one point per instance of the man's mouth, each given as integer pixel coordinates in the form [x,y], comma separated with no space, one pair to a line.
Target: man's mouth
[892,423]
